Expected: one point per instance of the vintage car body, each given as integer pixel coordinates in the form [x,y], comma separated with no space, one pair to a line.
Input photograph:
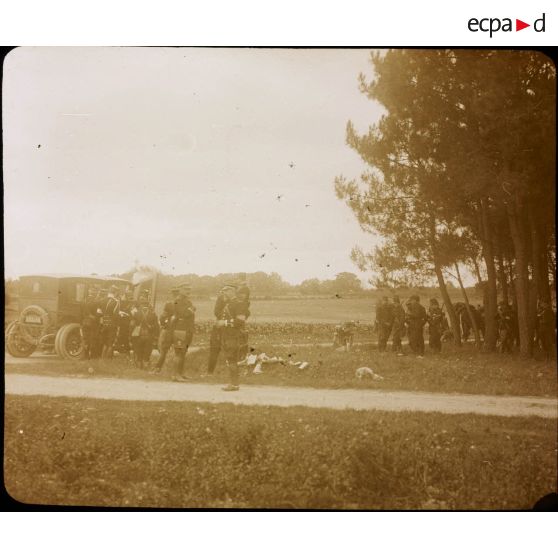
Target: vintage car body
[50,313]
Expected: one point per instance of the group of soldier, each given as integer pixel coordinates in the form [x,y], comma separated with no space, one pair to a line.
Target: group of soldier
[113,320]
[395,321]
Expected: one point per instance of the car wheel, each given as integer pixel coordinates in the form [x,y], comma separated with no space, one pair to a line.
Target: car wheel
[16,345]
[68,342]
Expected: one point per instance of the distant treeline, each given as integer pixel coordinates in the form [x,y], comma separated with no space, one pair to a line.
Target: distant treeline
[272,285]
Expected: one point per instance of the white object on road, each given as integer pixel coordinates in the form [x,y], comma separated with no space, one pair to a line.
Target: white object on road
[365,372]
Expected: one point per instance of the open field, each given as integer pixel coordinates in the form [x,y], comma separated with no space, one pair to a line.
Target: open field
[107,453]
[308,310]
[461,371]
[330,310]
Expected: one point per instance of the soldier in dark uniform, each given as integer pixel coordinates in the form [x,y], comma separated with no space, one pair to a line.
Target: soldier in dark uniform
[243,295]
[435,326]
[144,329]
[481,320]
[398,325]
[505,327]
[165,335]
[215,337]
[182,326]
[415,319]
[110,307]
[384,322]
[90,324]
[124,317]
[232,316]
[545,328]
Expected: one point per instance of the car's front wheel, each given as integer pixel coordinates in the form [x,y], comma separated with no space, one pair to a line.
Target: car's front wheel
[16,344]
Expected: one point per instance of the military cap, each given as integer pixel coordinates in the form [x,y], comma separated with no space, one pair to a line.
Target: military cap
[415,298]
[230,285]
[434,301]
[114,289]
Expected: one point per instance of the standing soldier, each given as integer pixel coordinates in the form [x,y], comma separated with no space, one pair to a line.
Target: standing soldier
[109,308]
[384,321]
[482,323]
[398,325]
[505,327]
[165,335]
[232,319]
[545,328]
[90,324]
[144,327]
[243,296]
[435,326]
[182,326]
[124,317]
[416,318]
[215,337]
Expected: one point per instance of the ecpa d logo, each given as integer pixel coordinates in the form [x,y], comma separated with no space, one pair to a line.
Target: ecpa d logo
[494,24]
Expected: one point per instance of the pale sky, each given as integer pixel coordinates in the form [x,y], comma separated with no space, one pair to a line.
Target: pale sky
[189,160]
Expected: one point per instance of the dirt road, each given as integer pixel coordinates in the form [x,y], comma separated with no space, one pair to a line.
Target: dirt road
[109,388]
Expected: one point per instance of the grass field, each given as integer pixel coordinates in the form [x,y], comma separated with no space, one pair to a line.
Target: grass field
[106,453]
[307,310]
[455,370]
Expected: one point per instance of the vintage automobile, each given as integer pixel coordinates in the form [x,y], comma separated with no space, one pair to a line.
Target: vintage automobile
[50,312]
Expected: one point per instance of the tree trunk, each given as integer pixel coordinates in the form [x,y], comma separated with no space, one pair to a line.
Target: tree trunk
[454,320]
[491,329]
[539,257]
[469,313]
[512,285]
[477,271]
[516,215]
[502,278]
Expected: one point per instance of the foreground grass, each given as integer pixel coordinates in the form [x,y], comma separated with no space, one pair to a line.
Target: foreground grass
[462,371]
[107,453]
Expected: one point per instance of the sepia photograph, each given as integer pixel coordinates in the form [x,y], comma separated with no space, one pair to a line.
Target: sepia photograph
[280,278]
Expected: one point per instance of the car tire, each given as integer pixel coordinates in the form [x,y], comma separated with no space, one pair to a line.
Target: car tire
[17,346]
[68,342]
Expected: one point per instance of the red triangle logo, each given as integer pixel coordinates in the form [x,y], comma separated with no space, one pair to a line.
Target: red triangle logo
[519,25]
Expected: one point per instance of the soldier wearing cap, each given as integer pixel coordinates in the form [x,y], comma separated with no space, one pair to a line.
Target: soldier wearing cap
[384,322]
[398,325]
[215,337]
[506,327]
[231,313]
[90,323]
[144,328]
[182,325]
[435,326]
[416,318]
[109,307]
[243,296]
[545,328]
[165,335]
[124,318]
